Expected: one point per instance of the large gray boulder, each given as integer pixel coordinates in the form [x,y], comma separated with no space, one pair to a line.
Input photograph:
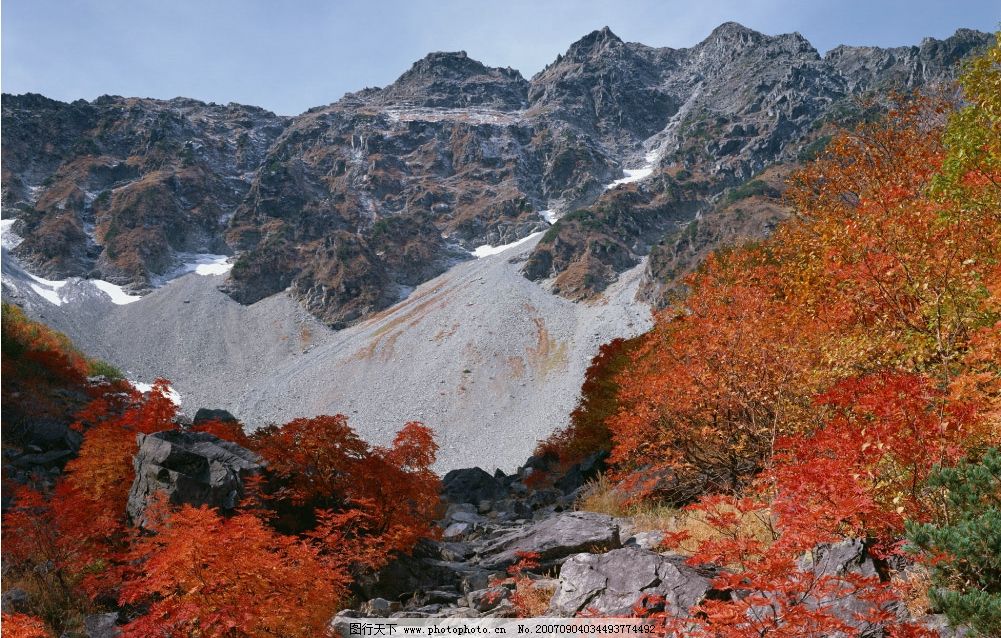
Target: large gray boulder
[194,468]
[430,566]
[470,485]
[578,475]
[102,625]
[612,584]
[836,563]
[553,538]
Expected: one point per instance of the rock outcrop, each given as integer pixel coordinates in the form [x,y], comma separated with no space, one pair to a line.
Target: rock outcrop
[552,539]
[614,584]
[711,119]
[593,564]
[193,468]
[122,188]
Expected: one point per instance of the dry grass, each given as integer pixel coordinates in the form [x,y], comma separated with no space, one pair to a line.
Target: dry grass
[914,585]
[531,598]
[601,496]
[53,601]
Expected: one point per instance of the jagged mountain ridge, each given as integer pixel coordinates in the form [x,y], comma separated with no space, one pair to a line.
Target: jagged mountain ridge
[746,102]
[350,205]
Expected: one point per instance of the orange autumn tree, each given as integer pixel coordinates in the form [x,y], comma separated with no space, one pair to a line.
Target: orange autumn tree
[205,575]
[331,504]
[89,504]
[362,503]
[23,626]
[876,272]
[896,253]
[716,381]
[859,476]
[85,516]
[66,545]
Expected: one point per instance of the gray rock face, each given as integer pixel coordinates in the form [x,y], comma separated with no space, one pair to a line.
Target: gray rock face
[554,538]
[842,559]
[582,472]
[120,187]
[15,601]
[470,485]
[709,118]
[487,599]
[194,468]
[102,625]
[612,584]
[450,80]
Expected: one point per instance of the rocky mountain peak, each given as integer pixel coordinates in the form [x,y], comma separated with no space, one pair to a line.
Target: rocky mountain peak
[453,79]
[456,65]
[732,37]
[593,44]
[734,33]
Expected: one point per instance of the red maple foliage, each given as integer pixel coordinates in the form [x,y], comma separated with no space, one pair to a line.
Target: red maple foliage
[363,503]
[588,431]
[874,274]
[89,504]
[858,476]
[206,575]
[23,626]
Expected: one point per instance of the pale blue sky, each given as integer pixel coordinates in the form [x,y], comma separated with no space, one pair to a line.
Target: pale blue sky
[290,55]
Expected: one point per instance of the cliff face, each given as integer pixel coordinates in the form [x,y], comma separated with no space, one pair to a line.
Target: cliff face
[117,187]
[350,205]
[735,105]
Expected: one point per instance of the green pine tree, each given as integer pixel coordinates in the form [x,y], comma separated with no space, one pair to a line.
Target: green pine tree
[967,583]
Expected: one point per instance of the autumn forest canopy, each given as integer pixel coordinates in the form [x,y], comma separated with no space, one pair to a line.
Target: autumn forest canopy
[840,380]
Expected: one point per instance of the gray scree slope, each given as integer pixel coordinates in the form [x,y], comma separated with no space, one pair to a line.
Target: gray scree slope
[492,361]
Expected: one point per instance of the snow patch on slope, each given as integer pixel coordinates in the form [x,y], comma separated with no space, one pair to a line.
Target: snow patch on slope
[8,237]
[48,289]
[486,249]
[172,394]
[117,294]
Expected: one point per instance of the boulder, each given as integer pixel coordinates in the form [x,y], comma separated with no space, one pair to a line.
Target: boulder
[455,530]
[612,584]
[848,557]
[51,434]
[483,600]
[645,540]
[102,625]
[42,460]
[542,462]
[839,558]
[542,498]
[513,509]
[194,468]
[441,597]
[582,472]
[379,607]
[552,539]
[429,566]
[455,550]
[203,415]
[15,601]
[470,485]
